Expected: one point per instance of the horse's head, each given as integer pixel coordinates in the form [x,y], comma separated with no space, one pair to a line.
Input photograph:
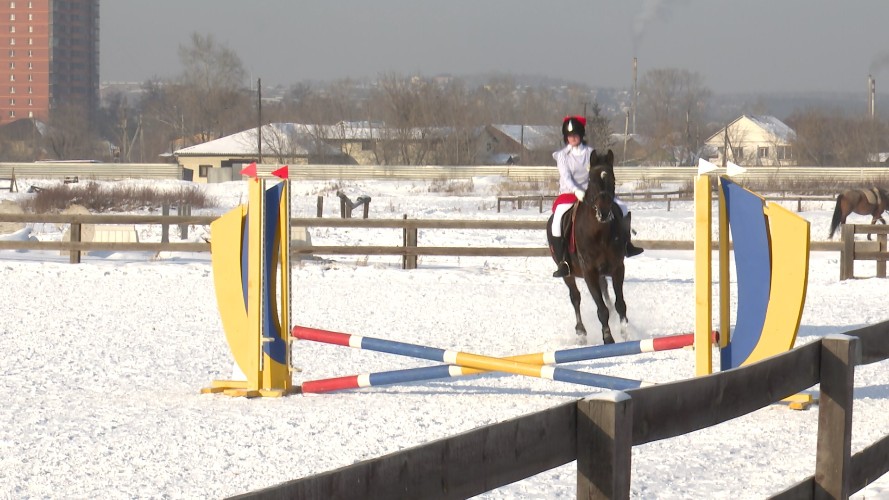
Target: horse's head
[600,192]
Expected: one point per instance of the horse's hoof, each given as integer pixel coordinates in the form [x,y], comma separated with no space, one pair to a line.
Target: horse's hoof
[580,332]
[608,339]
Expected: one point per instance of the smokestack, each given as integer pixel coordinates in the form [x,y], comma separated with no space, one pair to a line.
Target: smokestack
[635,93]
[872,98]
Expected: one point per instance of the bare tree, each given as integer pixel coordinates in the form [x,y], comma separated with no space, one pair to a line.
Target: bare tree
[598,129]
[69,136]
[831,138]
[211,96]
[672,106]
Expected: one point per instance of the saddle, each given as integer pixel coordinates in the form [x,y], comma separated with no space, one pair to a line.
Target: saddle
[567,224]
[872,195]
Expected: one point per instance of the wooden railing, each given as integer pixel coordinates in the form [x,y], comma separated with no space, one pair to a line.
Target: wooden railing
[541,200]
[409,250]
[10,182]
[600,432]
[863,250]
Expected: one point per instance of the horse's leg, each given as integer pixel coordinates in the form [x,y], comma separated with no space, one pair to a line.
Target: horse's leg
[603,285]
[574,293]
[620,305]
[594,284]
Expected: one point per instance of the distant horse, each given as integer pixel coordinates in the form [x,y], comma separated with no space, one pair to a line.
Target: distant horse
[599,246]
[871,202]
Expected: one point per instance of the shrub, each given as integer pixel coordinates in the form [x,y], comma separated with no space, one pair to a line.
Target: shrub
[116,198]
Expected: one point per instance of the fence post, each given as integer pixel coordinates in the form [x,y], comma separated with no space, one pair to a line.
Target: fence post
[881,264]
[74,255]
[604,446]
[409,239]
[184,209]
[833,460]
[343,204]
[847,253]
[320,210]
[165,227]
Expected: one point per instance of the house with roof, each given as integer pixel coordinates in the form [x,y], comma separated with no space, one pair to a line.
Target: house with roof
[518,144]
[282,143]
[375,143]
[357,139]
[753,140]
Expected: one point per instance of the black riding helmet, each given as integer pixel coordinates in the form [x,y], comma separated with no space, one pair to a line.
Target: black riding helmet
[574,125]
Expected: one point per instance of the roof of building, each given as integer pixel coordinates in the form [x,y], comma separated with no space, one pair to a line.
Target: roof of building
[774,126]
[532,137]
[287,139]
[770,124]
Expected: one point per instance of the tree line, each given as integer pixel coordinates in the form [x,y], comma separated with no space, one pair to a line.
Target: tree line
[673,111]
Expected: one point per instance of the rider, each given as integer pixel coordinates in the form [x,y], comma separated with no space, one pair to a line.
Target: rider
[573,161]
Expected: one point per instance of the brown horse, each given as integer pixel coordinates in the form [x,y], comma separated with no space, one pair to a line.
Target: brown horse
[600,247]
[871,202]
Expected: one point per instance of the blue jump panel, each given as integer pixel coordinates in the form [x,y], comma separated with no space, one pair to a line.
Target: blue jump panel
[750,237]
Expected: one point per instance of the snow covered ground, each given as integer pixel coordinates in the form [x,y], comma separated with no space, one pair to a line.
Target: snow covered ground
[103,362]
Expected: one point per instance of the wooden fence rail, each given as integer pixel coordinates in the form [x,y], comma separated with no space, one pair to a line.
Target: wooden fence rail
[544,200]
[600,432]
[408,250]
[862,250]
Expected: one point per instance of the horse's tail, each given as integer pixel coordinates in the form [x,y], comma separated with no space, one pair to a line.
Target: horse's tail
[837,215]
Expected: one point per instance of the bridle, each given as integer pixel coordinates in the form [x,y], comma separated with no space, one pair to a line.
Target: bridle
[599,195]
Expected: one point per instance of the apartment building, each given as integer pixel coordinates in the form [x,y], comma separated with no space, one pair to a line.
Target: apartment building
[49,55]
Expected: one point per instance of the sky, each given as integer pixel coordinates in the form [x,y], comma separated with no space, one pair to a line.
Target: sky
[103,362]
[758,46]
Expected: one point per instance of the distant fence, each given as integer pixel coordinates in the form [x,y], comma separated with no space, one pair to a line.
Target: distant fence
[408,250]
[112,171]
[543,201]
[551,173]
[91,171]
[600,433]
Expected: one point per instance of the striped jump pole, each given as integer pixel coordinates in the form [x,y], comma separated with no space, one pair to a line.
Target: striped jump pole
[476,361]
[445,371]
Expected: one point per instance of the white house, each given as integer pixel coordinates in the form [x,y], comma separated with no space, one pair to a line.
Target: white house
[525,144]
[282,143]
[754,140]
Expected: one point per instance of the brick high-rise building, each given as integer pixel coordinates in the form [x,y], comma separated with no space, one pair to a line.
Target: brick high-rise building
[49,55]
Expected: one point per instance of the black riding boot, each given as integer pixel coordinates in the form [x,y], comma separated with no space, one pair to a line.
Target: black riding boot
[632,250]
[557,243]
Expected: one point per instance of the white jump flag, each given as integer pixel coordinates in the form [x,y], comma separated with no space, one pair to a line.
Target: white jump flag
[705,167]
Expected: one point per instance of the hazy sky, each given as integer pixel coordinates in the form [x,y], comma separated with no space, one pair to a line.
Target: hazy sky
[736,45]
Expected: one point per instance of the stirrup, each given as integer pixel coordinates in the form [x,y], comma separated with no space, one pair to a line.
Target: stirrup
[563,270]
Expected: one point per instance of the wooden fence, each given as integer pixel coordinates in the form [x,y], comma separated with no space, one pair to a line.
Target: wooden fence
[600,432]
[543,201]
[862,250]
[409,250]
[11,184]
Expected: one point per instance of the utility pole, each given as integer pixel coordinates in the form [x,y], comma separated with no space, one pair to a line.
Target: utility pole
[259,120]
[635,95]
[725,147]
[626,134]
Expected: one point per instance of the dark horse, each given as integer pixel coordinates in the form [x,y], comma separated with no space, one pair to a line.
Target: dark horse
[599,246]
[871,202]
